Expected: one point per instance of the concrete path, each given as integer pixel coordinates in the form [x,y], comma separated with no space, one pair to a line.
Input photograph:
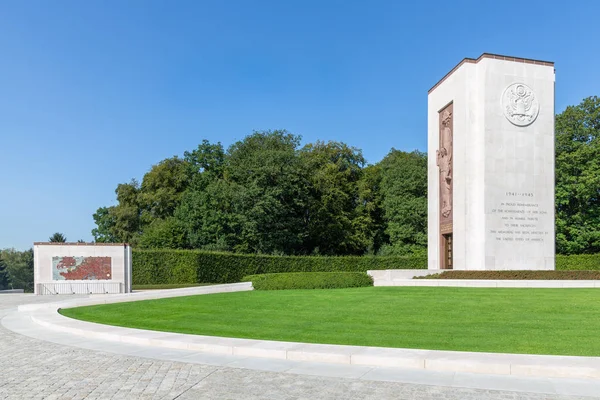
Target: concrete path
[39,363]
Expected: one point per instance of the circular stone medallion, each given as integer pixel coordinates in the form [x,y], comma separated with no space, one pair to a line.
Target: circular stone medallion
[520,105]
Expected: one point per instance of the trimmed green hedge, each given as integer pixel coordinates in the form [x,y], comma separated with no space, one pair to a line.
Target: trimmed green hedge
[195,266]
[168,286]
[578,262]
[516,275]
[309,280]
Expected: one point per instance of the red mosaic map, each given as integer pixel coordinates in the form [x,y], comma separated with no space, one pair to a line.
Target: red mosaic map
[81,268]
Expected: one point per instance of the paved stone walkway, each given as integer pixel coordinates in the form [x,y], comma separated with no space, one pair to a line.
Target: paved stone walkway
[35,369]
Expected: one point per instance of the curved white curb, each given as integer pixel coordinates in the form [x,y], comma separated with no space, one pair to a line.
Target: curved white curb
[488,363]
[142,295]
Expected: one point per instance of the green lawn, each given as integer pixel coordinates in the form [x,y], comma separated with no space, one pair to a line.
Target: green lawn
[533,321]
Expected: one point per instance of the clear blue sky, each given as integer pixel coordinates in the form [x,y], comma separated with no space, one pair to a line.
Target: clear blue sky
[92,93]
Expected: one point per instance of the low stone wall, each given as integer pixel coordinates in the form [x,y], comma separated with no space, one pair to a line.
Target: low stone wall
[380,277]
[404,277]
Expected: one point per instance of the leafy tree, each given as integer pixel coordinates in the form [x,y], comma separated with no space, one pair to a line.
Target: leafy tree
[334,227]
[105,222]
[206,212]
[58,238]
[248,199]
[139,206]
[163,234]
[369,210]
[120,223]
[404,194]
[270,198]
[578,178]
[4,278]
[207,161]
[162,189]
[126,215]
[212,218]
[19,267]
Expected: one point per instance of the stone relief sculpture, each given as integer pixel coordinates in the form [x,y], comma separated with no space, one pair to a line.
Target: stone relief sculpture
[521,107]
[444,163]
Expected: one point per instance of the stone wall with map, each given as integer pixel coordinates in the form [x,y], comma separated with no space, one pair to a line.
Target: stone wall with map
[81,268]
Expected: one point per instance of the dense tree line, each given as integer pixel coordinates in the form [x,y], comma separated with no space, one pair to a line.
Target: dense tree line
[4,278]
[578,178]
[16,269]
[267,194]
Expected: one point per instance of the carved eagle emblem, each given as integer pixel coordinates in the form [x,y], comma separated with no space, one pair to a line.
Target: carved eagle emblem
[520,104]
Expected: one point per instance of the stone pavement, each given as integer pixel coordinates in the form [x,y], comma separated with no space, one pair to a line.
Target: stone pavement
[39,369]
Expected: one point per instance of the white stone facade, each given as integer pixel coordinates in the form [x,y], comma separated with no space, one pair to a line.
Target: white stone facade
[503,164]
[116,271]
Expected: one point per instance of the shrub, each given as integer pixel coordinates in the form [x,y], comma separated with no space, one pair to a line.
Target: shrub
[515,275]
[196,266]
[309,280]
[578,262]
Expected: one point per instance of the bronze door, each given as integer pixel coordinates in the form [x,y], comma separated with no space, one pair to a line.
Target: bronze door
[447,253]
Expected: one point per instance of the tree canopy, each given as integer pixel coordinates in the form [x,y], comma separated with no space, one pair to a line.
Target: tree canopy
[264,194]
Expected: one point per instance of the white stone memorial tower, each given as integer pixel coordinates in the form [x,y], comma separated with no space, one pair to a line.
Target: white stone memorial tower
[491,166]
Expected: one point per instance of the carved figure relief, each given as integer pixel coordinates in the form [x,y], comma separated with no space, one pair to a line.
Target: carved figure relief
[444,163]
[520,105]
